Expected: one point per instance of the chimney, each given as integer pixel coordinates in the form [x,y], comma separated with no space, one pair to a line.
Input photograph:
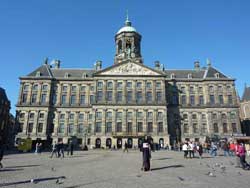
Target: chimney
[57,64]
[157,65]
[98,65]
[197,65]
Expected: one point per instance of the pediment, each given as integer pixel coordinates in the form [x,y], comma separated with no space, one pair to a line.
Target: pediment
[129,68]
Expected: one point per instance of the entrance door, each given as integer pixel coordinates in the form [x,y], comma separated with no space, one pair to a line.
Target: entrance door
[98,143]
[119,143]
[108,143]
[130,143]
[161,142]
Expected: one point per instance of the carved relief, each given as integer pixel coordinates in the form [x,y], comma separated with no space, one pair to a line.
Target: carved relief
[130,69]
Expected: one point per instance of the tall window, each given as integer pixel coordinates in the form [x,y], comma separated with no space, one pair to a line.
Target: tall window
[99,84]
[98,127]
[33,98]
[54,99]
[30,127]
[82,99]
[221,100]
[201,100]
[225,127]
[35,87]
[139,127]
[71,128]
[129,128]
[192,100]
[25,87]
[110,85]
[211,88]
[234,127]
[81,117]
[80,128]
[139,96]
[61,128]
[138,84]
[129,84]
[109,96]
[150,127]
[195,128]
[230,99]
[129,96]
[139,114]
[73,88]
[63,99]
[159,115]
[185,128]
[43,98]
[119,96]
[64,88]
[119,115]
[72,99]
[109,115]
[109,127]
[92,99]
[119,85]
[32,116]
[71,116]
[158,96]
[149,85]
[175,99]
[99,115]
[150,115]
[24,98]
[99,96]
[129,115]
[158,85]
[149,96]
[119,127]
[160,127]
[183,99]
[216,128]
[191,89]
[212,99]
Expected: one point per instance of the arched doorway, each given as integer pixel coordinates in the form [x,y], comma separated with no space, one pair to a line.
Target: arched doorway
[161,143]
[130,143]
[108,143]
[98,143]
[119,143]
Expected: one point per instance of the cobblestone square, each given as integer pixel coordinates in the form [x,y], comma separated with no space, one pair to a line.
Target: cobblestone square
[116,169]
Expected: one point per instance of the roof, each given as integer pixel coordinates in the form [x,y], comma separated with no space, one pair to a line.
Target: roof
[72,73]
[127,27]
[3,95]
[246,94]
[44,71]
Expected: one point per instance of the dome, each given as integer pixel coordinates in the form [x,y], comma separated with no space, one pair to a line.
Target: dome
[127,28]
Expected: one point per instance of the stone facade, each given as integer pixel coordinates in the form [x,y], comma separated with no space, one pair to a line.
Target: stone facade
[245,111]
[124,102]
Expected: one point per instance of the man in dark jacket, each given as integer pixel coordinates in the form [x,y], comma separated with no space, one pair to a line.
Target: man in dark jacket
[146,154]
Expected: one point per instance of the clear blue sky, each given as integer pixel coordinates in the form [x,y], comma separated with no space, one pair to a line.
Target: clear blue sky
[78,32]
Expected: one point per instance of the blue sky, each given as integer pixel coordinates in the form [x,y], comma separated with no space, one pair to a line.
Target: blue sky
[78,33]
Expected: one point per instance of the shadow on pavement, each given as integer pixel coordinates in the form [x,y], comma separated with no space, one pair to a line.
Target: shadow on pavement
[161,159]
[22,166]
[10,169]
[165,167]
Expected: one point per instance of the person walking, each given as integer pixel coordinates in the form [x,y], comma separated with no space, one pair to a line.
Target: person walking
[146,154]
[185,150]
[200,150]
[125,147]
[225,148]
[242,154]
[61,149]
[213,149]
[1,153]
[70,148]
[231,149]
[191,150]
[54,150]
[37,148]
[237,153]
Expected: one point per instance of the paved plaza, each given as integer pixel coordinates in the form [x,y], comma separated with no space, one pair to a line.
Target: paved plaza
[115,169]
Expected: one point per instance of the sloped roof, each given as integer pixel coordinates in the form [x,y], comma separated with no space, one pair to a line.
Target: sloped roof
[184,73]
[246,94]
[211,71]
[73,73]
[3,95]
[44,71]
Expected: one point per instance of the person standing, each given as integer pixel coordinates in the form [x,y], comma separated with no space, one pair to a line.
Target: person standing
[242,154]
[146,154]
[213,149]
[237,153]
[125,147]
[191,150]
[70,148]
[1,153]
[37,148]
[185,150]
[200,150]
[54,149]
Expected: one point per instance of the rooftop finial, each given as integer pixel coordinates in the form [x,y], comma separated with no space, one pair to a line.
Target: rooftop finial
[127,22]
[208,62]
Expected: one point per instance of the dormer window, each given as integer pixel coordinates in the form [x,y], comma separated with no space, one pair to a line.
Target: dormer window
[172,76]
[38,74]
[66,75]
[217,75]
[190,76]
[84,75]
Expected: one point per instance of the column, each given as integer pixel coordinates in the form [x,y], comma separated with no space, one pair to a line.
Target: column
[39,93]
[66,128]
[190,123]
[35,122]
[48,93]
[59,95]
[104,112]
[144,91]
[104,90]
[56,123]
[220,123]
[145,120]
[25,123]
[114,121]
[29,94]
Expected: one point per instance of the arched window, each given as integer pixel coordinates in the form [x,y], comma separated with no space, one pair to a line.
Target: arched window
[225,127]
[216,128]
[120,46]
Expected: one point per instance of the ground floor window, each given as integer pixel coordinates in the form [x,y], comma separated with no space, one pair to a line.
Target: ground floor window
[40,127]
[160,127]
[139,127]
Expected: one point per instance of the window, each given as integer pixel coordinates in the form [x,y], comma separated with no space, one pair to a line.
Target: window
[81,117]
[195,128]
[185,128]
[185,116]
[214,116]
[109,96]
[228,88]
[33,98]
[64,88]
[158,85]
[191,89]
[149,85]
[35,87]
[90,117]
[98,127]
[20,129]
[82,99]
[73,88]
[183,99]
[80,128]
[71,116]
[201,100]
[183,90]
[109,127]
[25,87]
[224,116]
[54,99]
[234,127]
[150,115]
[129,115]
[221,100]
[54,88]
[45,87]
[32,115]
[62,116]
[200,89]
[119,85]
[61,128]
[72,99]
[83,88]
[64,99]
[99,85]
[211,88]
[129,127]
[192,100]
[139,127]
[232,115]
[109,115]
[230,99]
[119,115]
[92,99]
[138,84]
[119,127]
[41,115]
[216,128]
[194,116]
[175,99]
[43,98]
[30,127]
[40,127]
[24,98]
[71,128]
[99,96]
[92,88]
[225,127]
[99,115]
[139,96]
[110,85]
[220,88]
[160,127]
[129,84]
[22,115]
[204,128]
[139,114]
[158,96]
[129,96]
[203,116]
[159,115]
[119,96]
[212,99]
[149,96]
[150,127]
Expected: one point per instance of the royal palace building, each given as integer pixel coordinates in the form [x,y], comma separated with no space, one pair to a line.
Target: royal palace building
[104,107]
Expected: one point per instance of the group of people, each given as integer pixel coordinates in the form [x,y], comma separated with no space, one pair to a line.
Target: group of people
[58,149]
[189,148]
